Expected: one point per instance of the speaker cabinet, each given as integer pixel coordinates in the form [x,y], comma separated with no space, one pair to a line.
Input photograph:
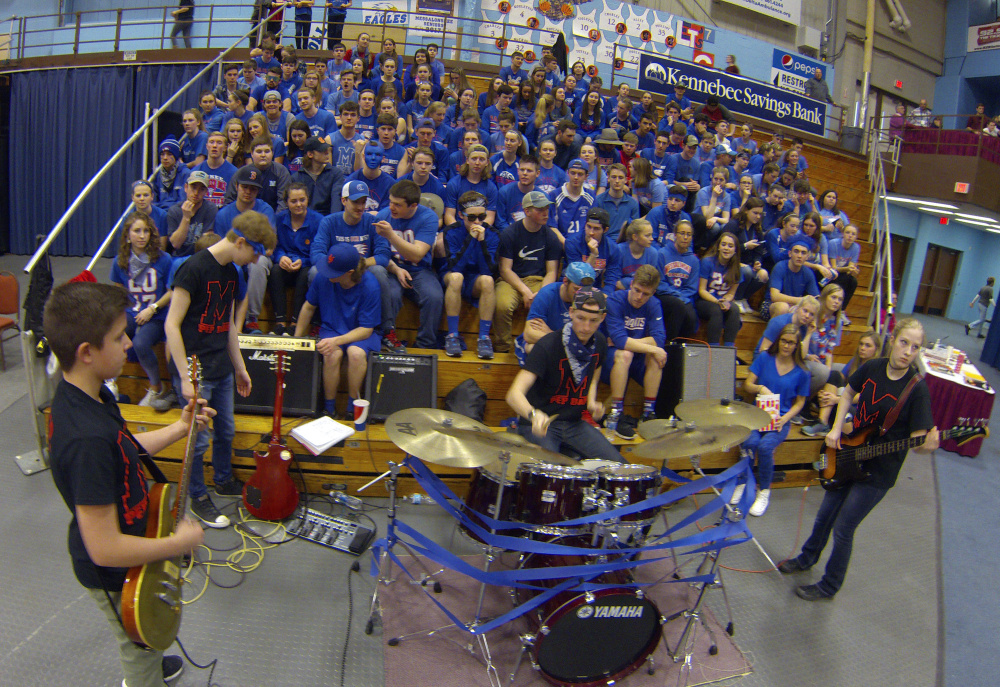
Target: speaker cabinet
[303,381]
[397,382]
[694,372]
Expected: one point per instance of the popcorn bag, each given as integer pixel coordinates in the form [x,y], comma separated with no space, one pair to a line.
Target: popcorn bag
[772,404]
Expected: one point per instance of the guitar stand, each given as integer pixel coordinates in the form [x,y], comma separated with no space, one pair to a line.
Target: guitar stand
[384,562]
[491,555]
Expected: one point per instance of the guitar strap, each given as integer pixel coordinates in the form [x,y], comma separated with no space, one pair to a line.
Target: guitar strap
[154,469]
[890,419]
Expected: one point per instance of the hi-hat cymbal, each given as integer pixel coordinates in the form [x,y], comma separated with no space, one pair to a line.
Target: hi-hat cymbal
[445,438]
[691,441]
[654,429]
[709,411]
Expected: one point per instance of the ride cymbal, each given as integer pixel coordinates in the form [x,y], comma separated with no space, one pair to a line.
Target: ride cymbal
[691,441]
[709,411]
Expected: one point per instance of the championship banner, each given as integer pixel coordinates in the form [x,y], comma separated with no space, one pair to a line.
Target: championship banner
[984,37]
[788,11]
[738,94]
[791,71]
[375,12]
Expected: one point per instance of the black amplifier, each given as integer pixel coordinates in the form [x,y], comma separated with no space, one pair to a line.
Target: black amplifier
[400,381]
[303,381]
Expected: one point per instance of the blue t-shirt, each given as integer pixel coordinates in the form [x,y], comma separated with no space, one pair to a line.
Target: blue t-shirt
[655,192]
[679,273]
[378,188]
[334,228]
[458,185]
[148,287]
[422,226]
[321,124]
[218,181]
[391,157]
[549,307]
[608,263]
[630,263]
[794,284]
[621,211]
[432,185]
[508,74]
[625,322]
[342,151]
[342,310]
[722,204]
[192,147]
[504,173]
[213,120]
[715,273]
[509,208]
[549,181]
[566,215]
[841,257]
[788,386]
[664,221]
[774,327]
[224,218]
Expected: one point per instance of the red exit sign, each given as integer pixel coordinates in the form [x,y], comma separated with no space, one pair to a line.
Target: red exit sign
[961,187]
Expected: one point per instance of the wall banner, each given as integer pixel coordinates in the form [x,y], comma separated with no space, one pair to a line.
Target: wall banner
[738,94]
[984,37]
[788,11]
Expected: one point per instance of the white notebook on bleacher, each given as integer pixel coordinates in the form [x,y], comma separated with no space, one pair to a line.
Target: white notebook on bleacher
[319,435]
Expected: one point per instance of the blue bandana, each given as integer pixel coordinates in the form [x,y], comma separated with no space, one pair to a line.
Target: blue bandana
[256,245]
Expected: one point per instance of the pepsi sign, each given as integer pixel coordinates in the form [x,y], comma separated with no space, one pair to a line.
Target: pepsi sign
[791,71]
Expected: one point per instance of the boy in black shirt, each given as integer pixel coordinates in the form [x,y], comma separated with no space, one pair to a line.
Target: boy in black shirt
[96,465]
[559,382]
[878,384]
[201,321]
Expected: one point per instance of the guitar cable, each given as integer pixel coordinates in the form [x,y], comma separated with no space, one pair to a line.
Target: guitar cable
[210,666]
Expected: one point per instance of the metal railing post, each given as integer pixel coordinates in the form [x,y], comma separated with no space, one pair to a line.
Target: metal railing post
[20,38]
[208,36]
[163,29]
[118,28]
[145,141]
[76,35]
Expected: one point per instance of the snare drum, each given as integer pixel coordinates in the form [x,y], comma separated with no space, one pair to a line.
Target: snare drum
[630,484]
[552,493]
[482,497]
[594,638]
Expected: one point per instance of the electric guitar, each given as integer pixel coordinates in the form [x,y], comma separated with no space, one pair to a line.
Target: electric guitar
[270,494]
[840,467]
[151,596]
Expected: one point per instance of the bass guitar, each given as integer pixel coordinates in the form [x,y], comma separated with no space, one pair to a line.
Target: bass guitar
[270,494]
[151,596]
[840,467]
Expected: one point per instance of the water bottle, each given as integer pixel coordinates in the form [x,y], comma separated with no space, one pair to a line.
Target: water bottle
[417,499]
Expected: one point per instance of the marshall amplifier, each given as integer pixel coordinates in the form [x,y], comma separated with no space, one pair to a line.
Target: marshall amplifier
[303,383]
[397,382]
[695,372]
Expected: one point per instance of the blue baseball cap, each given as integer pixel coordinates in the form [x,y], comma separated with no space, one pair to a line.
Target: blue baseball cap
[577,272]
[343,258]
[355,190]
[802,240]
[577,164]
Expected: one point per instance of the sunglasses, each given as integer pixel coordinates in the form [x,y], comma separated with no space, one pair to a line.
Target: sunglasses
[476,218]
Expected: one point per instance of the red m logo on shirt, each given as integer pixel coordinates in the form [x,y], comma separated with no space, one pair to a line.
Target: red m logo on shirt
[215,319]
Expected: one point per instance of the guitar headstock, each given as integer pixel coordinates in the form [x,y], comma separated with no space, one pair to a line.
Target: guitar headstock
[194,370]
[963,434]
[281,364]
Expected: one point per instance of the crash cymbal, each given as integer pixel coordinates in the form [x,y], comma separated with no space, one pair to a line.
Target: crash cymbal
[723,412]
[445,438]
[653,429]
[691,440]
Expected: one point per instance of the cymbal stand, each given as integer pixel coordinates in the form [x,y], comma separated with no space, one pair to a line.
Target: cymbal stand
[491,555]
[391,540]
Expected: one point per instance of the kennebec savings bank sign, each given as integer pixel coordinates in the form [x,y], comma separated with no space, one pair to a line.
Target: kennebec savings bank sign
[740,95]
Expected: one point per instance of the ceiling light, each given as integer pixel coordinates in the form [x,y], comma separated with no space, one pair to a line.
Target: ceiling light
[915,201]
[976,217]
[936,211]
[973,223]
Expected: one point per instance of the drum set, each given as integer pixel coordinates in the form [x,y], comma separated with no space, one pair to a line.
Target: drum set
[579,526]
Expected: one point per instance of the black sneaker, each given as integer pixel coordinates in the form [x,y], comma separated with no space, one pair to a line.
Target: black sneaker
[626,427]
[206,511]
[232,487]
[390,344]
[173,666]
[791,567]
[251,327]
[278,330]
[812,592]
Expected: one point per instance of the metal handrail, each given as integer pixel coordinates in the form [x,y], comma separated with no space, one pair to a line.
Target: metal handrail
[881,232]
[82,195]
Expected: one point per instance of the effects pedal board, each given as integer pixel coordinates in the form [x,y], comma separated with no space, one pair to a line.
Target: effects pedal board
[332,531]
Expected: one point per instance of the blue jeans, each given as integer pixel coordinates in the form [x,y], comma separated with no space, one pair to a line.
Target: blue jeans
[577,435]
[144,337]
[764,444]
[426,291]
[982,318]
[841,512]
[219,394]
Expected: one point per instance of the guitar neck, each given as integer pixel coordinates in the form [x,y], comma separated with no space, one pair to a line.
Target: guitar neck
[180,504]
[279,397]
[875,450]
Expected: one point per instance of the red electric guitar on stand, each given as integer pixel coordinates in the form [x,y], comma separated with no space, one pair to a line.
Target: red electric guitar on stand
[270,494]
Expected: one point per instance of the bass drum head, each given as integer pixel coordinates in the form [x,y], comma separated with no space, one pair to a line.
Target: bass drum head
[600,642]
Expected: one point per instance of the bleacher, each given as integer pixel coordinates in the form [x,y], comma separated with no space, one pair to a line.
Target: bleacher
[363,457]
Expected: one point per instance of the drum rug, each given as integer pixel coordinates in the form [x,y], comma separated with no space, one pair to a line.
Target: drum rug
[439,661]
